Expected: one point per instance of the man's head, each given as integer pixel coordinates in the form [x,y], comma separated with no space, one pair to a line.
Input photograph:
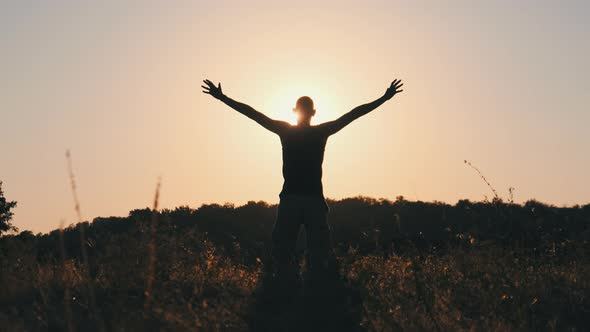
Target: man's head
[304,109]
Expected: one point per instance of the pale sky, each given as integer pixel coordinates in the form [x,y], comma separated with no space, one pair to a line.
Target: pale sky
[503,84]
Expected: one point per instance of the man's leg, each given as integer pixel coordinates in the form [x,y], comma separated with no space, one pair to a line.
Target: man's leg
[284,239]
[319,240]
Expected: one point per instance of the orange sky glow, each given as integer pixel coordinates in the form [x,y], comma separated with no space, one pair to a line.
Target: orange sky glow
[502,85]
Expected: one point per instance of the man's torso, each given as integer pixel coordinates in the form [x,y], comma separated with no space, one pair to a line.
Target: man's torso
[303,155]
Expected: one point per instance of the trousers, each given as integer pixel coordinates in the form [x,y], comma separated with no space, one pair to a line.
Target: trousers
[312,213]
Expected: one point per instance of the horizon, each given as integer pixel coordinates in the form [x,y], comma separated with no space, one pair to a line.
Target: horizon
[484,200]
[118,85]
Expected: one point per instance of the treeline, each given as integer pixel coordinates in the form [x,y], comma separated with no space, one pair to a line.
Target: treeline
[366,224]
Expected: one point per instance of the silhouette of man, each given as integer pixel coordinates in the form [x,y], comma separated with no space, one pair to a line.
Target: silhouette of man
[302,199]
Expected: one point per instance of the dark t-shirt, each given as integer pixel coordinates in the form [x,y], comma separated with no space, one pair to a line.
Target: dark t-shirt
[303,155]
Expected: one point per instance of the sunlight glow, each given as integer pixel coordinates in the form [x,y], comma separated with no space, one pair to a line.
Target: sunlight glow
[280,105]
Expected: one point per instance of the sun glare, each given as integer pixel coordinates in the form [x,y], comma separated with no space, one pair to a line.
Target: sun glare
[281,105]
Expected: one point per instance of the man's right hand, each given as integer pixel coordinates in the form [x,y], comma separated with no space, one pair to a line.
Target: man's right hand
[211,89]
[393,89]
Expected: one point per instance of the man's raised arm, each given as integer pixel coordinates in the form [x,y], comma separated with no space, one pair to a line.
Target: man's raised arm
[333,127]
[273,125]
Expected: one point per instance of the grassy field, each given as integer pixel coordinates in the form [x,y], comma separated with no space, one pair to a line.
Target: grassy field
[403,266]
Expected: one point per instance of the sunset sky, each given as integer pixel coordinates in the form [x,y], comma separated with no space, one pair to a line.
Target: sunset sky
[503,84]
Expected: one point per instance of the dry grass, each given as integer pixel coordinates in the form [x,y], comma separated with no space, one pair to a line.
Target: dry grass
[196,287]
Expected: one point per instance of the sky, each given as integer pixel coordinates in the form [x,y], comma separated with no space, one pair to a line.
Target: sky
[502,84]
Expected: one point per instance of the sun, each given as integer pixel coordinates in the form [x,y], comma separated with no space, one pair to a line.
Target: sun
[280,105]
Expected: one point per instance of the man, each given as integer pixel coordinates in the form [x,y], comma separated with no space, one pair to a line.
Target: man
[302,198]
